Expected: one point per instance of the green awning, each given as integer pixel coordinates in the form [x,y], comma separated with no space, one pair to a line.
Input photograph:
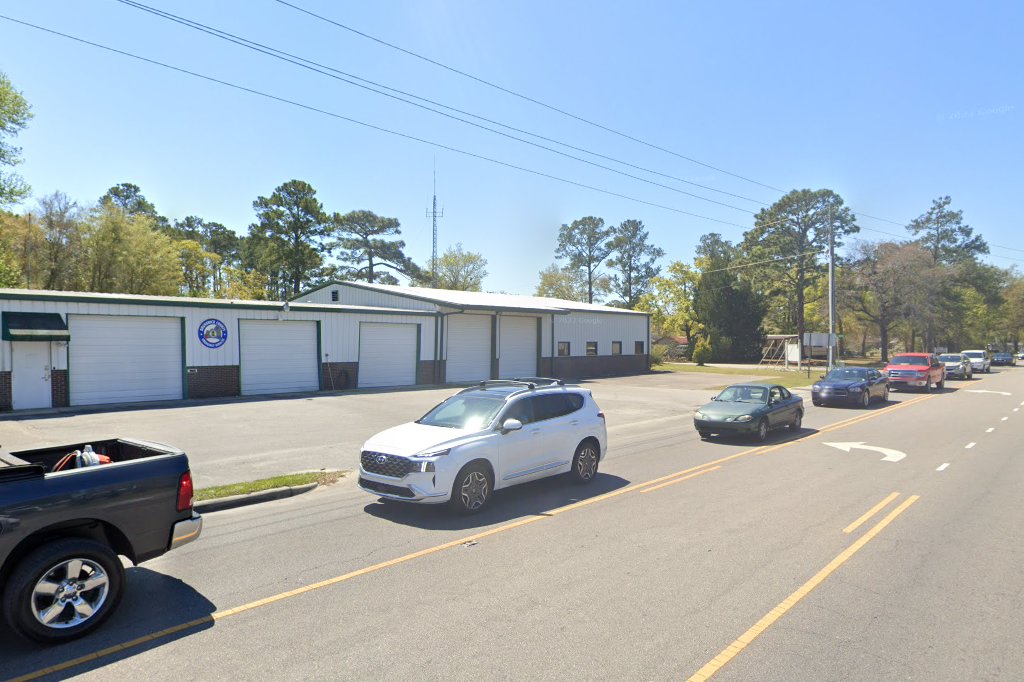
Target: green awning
[34,327]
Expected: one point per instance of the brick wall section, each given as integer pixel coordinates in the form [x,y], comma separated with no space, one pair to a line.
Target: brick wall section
[5,391]
[59,388]
[339,375]
[578,367]
[426,374]
[221,381]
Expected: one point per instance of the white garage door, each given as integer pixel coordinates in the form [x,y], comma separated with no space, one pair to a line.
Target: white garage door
[469,348]
[387,354]
[121,359]
[278,357]
[517,347]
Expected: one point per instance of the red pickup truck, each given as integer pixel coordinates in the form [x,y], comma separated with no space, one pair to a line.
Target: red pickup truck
[916,370]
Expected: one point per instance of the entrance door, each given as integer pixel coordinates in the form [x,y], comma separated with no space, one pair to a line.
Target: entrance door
[30,375]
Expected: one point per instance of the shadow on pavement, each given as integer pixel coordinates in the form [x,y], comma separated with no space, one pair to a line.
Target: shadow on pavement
[152,602]
[529,499]
[778,437]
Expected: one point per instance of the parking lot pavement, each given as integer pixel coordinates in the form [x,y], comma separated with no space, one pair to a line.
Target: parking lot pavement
[247,439]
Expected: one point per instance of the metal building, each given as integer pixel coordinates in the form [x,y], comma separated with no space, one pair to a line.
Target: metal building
[66,348]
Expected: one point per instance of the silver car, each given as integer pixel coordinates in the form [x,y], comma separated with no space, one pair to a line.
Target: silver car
[958,365]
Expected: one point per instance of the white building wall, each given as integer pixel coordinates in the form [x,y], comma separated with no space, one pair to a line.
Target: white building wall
[579,328]
[348,295]
[339,331]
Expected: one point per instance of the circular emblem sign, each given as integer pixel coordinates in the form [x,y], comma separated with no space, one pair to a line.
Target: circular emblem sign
[213,333]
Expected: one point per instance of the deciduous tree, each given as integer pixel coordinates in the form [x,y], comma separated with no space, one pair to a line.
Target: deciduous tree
[457,269]
[15,114]
[569,284]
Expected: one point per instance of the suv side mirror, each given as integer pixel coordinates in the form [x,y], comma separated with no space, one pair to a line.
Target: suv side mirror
[714,397]
[511,425]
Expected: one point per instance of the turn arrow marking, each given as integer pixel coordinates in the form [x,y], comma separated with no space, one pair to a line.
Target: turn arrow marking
[981,390]
[890,455]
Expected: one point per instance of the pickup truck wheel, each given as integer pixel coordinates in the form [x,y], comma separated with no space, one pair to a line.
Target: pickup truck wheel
[472,490]
[63,590]
[942,384]
[584,462]
[928,385]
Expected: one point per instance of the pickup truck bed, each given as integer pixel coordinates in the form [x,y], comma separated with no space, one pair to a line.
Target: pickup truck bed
[76,521]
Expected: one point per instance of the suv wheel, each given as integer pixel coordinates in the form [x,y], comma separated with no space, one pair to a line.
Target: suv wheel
[584,462]
[63,590]
[472,490]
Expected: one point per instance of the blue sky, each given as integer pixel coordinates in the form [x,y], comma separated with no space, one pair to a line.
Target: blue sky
[889,104]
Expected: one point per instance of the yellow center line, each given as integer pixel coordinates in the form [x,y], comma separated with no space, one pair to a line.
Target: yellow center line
[680,480]
[220,615]
[741,642]
[871,512]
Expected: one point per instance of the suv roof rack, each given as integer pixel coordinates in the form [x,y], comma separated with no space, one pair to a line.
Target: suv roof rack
[527,383]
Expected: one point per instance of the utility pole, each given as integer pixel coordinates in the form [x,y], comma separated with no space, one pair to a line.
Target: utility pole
[434,214]
[831,290]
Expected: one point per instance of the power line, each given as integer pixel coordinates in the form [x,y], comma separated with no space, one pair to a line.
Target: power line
[345,77]
[763,262]
[525,97]
[371,126]
[576,117]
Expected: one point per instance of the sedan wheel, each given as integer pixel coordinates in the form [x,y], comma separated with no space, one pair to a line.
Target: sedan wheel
[865,399]
[885,395]
[797,422]
[762,430]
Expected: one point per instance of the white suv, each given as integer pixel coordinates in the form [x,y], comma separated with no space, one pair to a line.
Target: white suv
[981,360]
[487,437]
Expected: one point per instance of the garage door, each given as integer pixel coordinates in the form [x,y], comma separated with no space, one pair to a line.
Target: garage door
[517,347]
[278,357]
[469,348]
[120,359]
[387,354]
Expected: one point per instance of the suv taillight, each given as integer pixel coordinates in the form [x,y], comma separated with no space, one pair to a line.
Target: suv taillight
[601,415]
[185,492]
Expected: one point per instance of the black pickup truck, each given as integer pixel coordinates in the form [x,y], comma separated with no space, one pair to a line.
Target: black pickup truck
[61,532]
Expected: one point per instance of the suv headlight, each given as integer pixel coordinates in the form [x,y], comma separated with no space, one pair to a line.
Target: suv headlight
[434,453]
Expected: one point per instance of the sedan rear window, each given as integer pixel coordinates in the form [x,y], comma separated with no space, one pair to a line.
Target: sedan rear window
[949,358]
[975,354]
[464,412]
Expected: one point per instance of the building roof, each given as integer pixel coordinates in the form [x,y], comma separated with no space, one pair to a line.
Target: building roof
[138,299]
[477,300]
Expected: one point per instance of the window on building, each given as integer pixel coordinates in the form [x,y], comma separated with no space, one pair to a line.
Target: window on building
[638,348]
[616,347]
[334,295]
[563,348]
[591,347]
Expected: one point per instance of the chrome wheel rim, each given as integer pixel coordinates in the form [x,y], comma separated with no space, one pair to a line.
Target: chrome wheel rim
[865,399]
[762,430]
[586,463]
[475,490]
[70,593]
[798,421]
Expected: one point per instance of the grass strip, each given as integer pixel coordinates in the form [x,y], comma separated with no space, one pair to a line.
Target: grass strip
[218,491]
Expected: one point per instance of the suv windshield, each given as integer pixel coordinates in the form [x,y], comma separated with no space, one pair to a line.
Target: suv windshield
[467,412]
[909,360]
[949,358]
[974,354]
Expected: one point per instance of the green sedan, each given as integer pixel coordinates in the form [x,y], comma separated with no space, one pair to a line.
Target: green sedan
[749,409]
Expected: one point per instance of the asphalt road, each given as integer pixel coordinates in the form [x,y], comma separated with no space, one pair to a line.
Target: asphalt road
[684,558]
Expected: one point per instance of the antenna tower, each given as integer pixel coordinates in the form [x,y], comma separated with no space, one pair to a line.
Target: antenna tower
[434,214]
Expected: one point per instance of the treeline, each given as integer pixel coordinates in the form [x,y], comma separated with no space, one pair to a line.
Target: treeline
[123,245]
[927,291]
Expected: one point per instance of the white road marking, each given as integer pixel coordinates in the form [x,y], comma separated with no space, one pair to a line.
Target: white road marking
[969,446]
[1016,409]
[990,429]
[981,390]
[943,467]
[890,455]
[1004,418]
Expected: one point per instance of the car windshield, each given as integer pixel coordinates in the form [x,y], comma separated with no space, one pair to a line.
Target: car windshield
[975,354]
[744,394]
[909,360]
[949,358]
[846,374]
[466,412]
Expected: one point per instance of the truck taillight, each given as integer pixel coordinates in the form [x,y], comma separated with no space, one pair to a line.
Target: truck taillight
[185,492]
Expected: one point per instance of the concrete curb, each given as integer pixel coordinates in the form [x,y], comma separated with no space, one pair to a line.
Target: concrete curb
[233,501]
